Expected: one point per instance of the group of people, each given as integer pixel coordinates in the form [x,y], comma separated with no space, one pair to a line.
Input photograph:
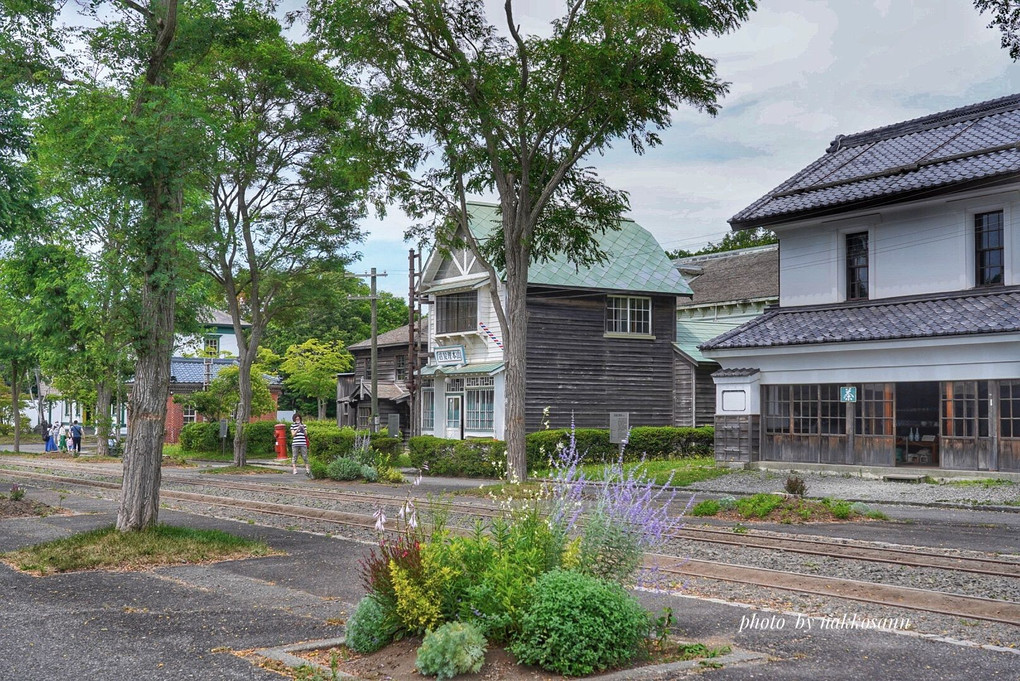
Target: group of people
[62,437]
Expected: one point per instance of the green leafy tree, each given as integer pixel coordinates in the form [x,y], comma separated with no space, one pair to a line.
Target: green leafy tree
[333,313]
[311,368]
[222,398]
[745,238]
[285,195]
[1006,17]
[458,105]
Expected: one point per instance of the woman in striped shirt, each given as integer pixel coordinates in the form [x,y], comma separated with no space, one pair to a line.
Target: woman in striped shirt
[298,443]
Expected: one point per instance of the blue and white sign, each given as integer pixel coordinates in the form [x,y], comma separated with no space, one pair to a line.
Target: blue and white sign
[450,355]
[848,393]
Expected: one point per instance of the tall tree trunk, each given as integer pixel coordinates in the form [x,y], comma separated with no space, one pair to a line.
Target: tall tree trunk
[322,408]
[104,395]
[16,404]
[514,353]
[162,202]
[243,414]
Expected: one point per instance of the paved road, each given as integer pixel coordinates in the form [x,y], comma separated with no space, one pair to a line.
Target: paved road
[165,624]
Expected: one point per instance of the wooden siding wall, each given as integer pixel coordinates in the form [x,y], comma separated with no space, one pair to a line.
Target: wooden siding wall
[704,401]
[683,392]
[574,370]
[737,437]
[387,362]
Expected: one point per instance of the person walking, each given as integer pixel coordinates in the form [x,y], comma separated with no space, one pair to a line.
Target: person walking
[299,444]
[76,432]
[64,433]
[51,440]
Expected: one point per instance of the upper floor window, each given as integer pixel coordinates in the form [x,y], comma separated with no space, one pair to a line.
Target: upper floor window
[628,314]
[988,241]
[457,312]
[401,367]
[212,345]
[857,266]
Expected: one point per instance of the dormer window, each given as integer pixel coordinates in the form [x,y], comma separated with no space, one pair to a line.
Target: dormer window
[212,346]
[988,241]
[857,266]
[457,312]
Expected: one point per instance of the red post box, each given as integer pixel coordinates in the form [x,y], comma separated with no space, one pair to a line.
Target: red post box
[281,441]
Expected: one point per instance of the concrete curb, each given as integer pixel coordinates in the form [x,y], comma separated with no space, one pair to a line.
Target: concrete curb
[648,673]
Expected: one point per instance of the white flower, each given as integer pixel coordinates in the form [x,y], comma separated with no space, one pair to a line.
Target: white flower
[380,520]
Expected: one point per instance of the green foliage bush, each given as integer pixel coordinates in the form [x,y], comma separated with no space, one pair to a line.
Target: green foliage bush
[368,628]
[469,458]
[577,625]
[651,442]
[327,441]
[454,648]
[203,436]
[261,438]
[706,508]
[385,444]
[369,473]
[343,469]
[758,505]
[317,469]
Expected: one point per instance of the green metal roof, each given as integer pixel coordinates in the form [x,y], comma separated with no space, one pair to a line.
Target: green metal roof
[691,334]
[636,262]
[481,368]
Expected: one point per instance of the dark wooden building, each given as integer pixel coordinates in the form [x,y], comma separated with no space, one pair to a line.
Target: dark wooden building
[354,389]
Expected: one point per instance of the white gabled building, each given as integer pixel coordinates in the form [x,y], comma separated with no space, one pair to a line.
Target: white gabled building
[896,341]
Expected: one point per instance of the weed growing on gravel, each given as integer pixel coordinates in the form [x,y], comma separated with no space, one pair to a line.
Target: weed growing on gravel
[17,493]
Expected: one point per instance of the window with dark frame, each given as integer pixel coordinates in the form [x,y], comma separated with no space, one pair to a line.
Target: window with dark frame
[876,407]
[965,409]
[989,257]
[401,367]
[457,312]
[804,410]
[1009,409]
[857,266]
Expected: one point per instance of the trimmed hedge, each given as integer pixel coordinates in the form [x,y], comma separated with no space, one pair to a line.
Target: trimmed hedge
[469,458]
[205,437]
[326,441]
[487,458]
[650,442]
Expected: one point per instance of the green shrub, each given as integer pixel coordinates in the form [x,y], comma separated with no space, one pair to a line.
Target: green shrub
[369,473]
[343,469]
[577,625]
[368,628]
[203,436]
[470,458]
[706,508]
[652,442]
[839,508]
[317,469]
[261,438]
[728,503]
[758,505]
[385,444]
[454,648]
[326,441]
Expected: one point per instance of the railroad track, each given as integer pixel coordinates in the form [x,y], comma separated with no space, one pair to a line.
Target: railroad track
[1006,612]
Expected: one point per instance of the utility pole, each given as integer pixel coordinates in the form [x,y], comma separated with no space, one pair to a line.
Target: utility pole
[373,299]
[414,333]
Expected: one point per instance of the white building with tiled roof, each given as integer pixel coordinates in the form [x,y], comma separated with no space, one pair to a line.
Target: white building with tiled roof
[897,338]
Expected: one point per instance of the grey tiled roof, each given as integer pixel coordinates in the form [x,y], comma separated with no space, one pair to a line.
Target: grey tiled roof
[954,314]
[943,151]
[744,274]
[725,373]
[392,337]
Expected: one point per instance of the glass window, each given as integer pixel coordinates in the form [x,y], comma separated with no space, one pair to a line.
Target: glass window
[453,411]
[1009,409]
[457,312]
[481,401]
[777,409]
[189,414]
[212,345]
[627,314]
[364,417]
[875,409]
[831,412]
[401,367]
[989,255]
[428,408]
[857,266]
[965,409]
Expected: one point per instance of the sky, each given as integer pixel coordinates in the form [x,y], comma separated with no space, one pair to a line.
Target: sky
[801,72]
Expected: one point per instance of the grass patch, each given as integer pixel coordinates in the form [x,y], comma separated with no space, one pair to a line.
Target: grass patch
[984,483]
[108,549]
[786,510]
[240,470]
[706,508]
[503,490]
[698,651]
[677,472]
